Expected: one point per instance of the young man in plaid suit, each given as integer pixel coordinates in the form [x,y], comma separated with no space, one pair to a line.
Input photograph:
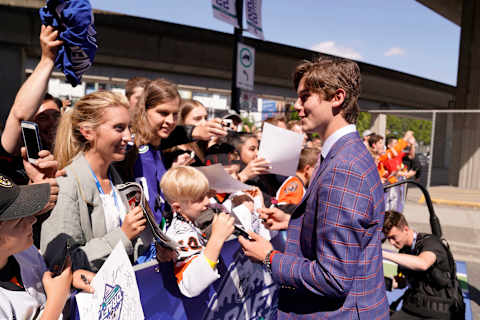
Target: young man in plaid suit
[332,263]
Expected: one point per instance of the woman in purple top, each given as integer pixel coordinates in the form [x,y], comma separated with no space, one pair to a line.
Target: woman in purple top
[154,120]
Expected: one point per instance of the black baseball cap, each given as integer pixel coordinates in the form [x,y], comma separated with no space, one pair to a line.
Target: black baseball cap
[234,117]
[223,153]
[21,201]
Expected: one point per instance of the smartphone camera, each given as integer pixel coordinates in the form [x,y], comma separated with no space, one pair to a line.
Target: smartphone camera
[227,123]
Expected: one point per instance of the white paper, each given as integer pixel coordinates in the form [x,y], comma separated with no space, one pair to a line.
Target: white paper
[226,11]
[221,181]
[116,292]
[281,147]
[244,216]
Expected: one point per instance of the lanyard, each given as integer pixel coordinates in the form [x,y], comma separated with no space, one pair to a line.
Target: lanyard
[100,189]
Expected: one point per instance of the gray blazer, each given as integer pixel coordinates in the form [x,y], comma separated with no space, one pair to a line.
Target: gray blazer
[79,218]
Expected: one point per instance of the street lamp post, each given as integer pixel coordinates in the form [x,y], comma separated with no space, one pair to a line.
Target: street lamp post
[235,94]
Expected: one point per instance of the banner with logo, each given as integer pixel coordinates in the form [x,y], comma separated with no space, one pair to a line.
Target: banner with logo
[253,10]
[244,291]
[116,295]
[269,109]
[226,11]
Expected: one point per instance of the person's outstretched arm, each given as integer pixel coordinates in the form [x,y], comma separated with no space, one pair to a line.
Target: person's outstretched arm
[204,264]
[32,92]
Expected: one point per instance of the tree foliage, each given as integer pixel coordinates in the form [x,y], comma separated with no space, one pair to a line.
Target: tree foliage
[363,122]
[399,125]
[248,122]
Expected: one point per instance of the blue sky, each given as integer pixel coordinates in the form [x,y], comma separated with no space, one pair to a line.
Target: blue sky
[400,35]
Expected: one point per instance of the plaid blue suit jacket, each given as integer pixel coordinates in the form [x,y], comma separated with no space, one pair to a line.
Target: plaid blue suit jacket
[332,265]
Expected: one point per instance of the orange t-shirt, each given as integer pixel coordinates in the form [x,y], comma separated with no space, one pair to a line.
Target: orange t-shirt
[391,161]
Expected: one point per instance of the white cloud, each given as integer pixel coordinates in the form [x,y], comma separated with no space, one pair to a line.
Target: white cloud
[395,51]
[332,48]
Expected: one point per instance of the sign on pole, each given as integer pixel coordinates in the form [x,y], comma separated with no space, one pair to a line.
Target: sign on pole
[245,67]
[248,101]
[269,109]
[253,9]
[226,11]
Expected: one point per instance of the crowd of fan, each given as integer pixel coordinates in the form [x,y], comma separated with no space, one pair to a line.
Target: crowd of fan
[151,136]
[396,161]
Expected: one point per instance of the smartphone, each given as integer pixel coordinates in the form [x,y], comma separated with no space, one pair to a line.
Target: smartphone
[228,123]
[239,231]
[57,269]
[31,139]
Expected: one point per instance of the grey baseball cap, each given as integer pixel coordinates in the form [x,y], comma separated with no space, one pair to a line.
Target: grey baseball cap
[21,201]
[367,133]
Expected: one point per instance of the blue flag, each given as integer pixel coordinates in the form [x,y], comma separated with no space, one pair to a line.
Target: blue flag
[74,20]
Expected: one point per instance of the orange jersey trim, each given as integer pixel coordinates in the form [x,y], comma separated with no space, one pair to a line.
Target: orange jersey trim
[291,191]
[180,269]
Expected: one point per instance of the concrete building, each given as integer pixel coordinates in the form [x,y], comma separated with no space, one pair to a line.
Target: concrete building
[464,169]
[199,61]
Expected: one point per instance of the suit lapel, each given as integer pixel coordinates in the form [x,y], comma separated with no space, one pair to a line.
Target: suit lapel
[308,230]
[323,165]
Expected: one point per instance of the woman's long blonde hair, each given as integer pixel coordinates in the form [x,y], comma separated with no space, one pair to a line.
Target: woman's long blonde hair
[158,91]
[87,111]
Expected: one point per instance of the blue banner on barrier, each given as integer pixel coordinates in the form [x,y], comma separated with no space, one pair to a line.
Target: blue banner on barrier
[245,290]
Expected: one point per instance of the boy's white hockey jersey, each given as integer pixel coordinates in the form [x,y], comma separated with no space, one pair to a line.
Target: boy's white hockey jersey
[192,270]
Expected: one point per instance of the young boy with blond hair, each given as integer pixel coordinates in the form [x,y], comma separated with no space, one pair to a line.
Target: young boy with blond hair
[185,189]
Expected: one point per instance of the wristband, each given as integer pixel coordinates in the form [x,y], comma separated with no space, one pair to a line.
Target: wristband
[267,262]
[212,264]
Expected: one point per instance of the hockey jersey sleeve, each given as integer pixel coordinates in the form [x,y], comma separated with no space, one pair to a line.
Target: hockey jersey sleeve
[195,275]
[192,270]
[291,191]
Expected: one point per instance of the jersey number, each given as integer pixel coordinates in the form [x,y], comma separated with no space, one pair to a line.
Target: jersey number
[192,244]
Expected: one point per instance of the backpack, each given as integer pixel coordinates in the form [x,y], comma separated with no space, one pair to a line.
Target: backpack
[453,304]
[454,290]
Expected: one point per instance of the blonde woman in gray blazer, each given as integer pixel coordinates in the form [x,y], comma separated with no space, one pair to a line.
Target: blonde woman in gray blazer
[89,214]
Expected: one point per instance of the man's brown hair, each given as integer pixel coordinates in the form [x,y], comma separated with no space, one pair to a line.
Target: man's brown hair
[276,119]
[374,138]
[293,123]
[241,198]
[308,156]
[393,219]
[327,74]
[135,82]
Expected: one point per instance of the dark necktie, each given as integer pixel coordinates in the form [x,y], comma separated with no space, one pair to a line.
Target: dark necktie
[317,165]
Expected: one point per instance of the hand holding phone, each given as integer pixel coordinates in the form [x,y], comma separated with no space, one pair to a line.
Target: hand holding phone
[57,269]
[31,139]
